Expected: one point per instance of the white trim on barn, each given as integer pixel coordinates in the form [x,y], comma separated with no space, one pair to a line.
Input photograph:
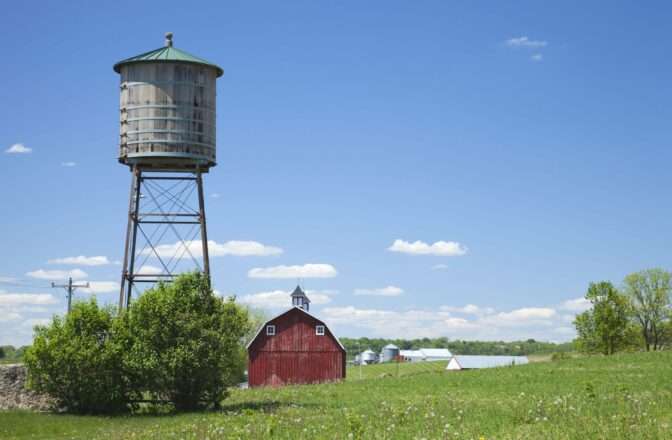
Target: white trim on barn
[326,327]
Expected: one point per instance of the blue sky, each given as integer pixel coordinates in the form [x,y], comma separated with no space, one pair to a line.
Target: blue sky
[532,136]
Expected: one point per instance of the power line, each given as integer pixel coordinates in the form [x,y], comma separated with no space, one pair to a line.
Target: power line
[70,288]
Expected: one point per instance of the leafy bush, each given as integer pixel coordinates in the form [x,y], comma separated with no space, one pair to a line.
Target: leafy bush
[560,356]
[182,342]
[76,361]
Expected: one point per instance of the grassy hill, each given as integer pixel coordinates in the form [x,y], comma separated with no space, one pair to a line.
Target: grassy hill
[626,396]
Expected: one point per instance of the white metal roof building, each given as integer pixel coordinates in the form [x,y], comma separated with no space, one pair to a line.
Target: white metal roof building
[426,355]
[468,362]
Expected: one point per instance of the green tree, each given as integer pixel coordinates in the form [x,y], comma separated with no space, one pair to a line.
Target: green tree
[76,361]
[649,295]
[183,342]
[257,317]
[2,352]
[604,327]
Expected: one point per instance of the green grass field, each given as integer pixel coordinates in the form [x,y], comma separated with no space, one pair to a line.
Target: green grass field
[626,396]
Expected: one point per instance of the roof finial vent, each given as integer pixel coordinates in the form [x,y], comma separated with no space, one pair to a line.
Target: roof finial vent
[169,39]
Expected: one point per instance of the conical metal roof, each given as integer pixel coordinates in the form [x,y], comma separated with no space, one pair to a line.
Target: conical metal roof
[299,292]
[169,54]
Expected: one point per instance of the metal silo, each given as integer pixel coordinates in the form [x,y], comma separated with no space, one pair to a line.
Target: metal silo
[167,139]
[367,357]
[389,352]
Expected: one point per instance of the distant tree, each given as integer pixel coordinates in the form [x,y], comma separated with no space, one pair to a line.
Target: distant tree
[2,352]
[649,295]
[183,342]
[77,362]
[603,328]
[257,317]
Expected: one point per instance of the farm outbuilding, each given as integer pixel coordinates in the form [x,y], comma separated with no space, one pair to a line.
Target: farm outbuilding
[389,352]
[295,347]
[426,355]
[472,362]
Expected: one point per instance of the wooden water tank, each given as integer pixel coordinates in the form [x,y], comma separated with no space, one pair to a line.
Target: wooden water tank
[168,110]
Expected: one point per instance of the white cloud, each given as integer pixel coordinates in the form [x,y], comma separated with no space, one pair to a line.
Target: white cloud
[482,323]
[526,316]
[214,196]
[236,248]
[26,309]
[574,305]
[385,291]
[525,42]
[537,57]
[101,287]
[280,299]
[440,266]
[458,323]
[442,248]
[57,275]
[69,164]
[10,317]
[568,318]
[30,323]
[19,149]
[469,309]
[81,260]
[149,270]
[27,298]
[305,271]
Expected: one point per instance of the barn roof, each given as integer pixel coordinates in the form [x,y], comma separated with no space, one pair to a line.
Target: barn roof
[469,361]
[427,352]
[391,346]
[410,353]
[436,352]
[285,312]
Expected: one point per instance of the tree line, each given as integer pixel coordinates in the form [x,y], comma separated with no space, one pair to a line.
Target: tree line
[634,316]
[515,348]
[10,354]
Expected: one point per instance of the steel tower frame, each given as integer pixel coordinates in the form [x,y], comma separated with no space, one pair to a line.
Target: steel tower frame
[167,198]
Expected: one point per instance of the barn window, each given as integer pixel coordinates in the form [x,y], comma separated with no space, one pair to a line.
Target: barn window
[270,330]
[319,330]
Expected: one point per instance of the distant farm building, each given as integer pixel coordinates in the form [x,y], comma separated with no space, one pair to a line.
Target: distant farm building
[472,362]
[426,355]
[295,348]
[389,353]
[366,357]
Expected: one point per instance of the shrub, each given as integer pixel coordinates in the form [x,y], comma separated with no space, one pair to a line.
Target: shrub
[76,361]
[182,342]
[560,356]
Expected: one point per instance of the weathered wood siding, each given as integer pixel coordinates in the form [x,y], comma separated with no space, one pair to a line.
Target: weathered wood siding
[295,354]
[167,108]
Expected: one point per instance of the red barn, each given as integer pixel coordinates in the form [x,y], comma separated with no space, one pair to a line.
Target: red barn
[295,348]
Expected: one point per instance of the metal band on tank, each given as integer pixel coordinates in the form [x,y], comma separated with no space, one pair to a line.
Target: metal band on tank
[169,118]
[168,141]
[167,106]
[197,133]
[167,154]
[153,83]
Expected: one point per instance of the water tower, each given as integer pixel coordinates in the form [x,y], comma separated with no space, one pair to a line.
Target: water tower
[167,139]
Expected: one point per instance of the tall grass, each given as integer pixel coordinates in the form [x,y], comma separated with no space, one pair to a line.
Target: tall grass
[625,396]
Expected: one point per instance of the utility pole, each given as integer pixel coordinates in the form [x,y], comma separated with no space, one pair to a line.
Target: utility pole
[70,288]
[359,348]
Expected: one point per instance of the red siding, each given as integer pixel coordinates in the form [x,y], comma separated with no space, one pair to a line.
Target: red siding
[295,354]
